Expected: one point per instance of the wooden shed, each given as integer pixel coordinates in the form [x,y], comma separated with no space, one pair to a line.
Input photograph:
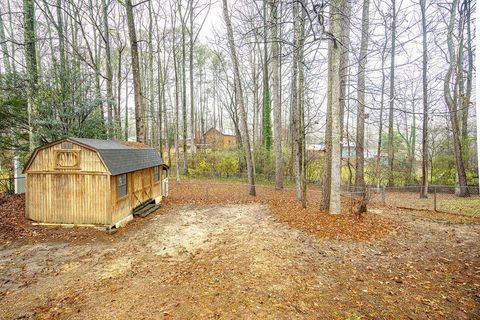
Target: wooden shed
[94,182]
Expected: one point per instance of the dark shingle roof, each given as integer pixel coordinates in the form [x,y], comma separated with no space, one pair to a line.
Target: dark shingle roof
[120,158]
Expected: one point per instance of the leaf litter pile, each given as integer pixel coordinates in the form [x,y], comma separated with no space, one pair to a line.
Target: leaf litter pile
[213,252]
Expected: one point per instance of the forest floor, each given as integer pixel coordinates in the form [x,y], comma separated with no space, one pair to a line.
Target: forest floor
[213,252]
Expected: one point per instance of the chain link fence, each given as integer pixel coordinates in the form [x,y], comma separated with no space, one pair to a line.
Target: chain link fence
[440,198]
[12,185]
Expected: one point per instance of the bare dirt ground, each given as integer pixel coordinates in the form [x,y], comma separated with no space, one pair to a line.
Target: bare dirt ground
[250,260]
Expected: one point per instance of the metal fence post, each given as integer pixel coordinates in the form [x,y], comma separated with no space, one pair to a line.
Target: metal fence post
[11,187]
[434,198]
[383,195]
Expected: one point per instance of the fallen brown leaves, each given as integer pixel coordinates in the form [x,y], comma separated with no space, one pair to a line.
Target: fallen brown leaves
[285,207]
[12,212]
[14,225]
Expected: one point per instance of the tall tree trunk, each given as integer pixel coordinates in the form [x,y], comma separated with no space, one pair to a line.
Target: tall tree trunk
[95,63]
[160,93]
[111,129]
[143,58]
[63,74]
[463,121]
[327,168]
[117,117]
[239,100]
[126,133]
[301,156]
[468,92]
[30,40]
[392,98]
[184,91]
[413,142]
[462,191]
[298,90]
[277,107]
[151,90]
[424,189]
[294,101]
[192,107]
[137,82]
[266,118]
[177,110]
[255,88]
[470,66]
[336,51]
[346,9]
[382,102]
[360,139]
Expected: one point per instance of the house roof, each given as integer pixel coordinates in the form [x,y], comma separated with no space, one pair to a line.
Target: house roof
[223,134]
[213,129]
[119,157]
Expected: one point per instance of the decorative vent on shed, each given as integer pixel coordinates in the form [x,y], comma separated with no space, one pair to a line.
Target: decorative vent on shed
[67,159]
[67,145]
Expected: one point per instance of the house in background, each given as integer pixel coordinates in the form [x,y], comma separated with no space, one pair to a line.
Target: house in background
[93,182]
[347,152]
[215,139]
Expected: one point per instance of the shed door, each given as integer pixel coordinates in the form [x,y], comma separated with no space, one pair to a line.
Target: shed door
[141,186]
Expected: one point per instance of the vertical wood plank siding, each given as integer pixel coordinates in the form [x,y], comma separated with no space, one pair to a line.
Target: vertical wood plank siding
[68,198]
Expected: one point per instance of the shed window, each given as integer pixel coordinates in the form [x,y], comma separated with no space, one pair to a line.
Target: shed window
[156,174]
[121,185]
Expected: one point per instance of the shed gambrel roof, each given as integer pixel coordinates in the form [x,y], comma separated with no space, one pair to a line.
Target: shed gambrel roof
[118,157]
[122,158]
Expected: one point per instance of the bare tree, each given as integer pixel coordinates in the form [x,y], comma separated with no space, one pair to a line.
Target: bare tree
[424,189]
[382,101]
[266,117]
[192,106]
[391,153]
[109,74]
[360,138]
[30,40]
[184,85]
[327,169]
[177,108]
[335,52]
[294,100]
[277,107]
[239,100]
[462,189]
[137,83]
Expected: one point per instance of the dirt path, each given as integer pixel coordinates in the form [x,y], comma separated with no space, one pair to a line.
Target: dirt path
[237,261]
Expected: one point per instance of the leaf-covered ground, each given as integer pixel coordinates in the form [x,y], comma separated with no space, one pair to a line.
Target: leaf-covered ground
[14,227]
[285,207]
[213,252]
